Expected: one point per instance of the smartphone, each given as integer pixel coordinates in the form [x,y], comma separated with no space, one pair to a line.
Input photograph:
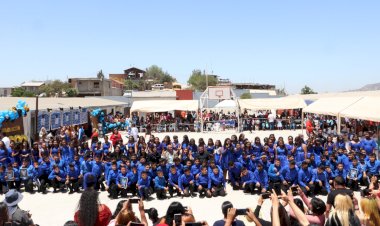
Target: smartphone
[178,219]
[240,212]
[134,201]
[266,195]
[194,224]
[136,224]
[294,189]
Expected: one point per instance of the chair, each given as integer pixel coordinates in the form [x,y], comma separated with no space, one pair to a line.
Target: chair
[209,126]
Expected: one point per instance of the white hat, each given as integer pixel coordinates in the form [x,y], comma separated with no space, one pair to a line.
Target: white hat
[12,198]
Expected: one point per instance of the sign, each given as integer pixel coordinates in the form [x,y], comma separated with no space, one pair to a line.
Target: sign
[83,116]
[55,120]
[23,173]
[124,182]
[12,128]
[76,117]
[66,118]
[10,175]
[353,173]
[43,120]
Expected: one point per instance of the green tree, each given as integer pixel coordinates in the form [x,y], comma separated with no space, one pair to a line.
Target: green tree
[132,85]
[100,75]
[21,92]
[307,90]
[156,74]
[55,87]
[246,96]
[197,80]
[71,92]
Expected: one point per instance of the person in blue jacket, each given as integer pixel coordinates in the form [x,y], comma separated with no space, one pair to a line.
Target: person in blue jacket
[196,168]
[368,144]
[33,175]
[275,176]
[143,186]
[132,180]
[322,185]
[186,183]
[57,178]
[234,173]
[372,167]
[306,179]
[247,180]
[204,183]
[261,178]
[160,185]
[218,184]
[72,178]
[290,175]
[111,181]
[122,182]
[164,167]
[173,181]
[98,171]
[340,171]
[354,175]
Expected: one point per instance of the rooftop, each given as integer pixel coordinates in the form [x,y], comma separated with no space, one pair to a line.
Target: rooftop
[32,83]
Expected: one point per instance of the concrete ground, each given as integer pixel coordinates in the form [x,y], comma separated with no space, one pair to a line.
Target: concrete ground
[55,209]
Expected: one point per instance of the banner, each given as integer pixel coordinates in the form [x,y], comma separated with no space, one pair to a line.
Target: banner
[14,129]
[84,116]
[43,120]
[55,119]
[76,117]
[66,118]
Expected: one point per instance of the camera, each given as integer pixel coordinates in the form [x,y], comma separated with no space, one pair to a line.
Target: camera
[240,212]
[134,201]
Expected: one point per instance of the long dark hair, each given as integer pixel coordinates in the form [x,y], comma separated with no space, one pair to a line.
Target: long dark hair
[174,208]
[88,208]
[3,213]
[118,208]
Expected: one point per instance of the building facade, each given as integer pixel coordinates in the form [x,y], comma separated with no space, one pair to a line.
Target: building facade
[96,87]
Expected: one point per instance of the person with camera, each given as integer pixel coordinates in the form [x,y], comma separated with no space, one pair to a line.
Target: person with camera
[339,188]
[229,213]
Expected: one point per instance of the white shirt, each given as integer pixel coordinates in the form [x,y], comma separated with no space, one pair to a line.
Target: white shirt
[271,117]
[6,141]
[134,132]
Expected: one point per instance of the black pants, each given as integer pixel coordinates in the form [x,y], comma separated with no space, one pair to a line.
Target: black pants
[218,191]
[235,186]
[112,190]
[188,190]
[14,185]
[28,183]
[249,187]
[122,191]
[172,189]
[285,188]
[320,190]
[276,185]
[144,192]
[3,187]
[74,185]
[160,193]
[44,181]
[353,184]
[57,184]
[132,189]
[311,191]
[99,183]
[203,192]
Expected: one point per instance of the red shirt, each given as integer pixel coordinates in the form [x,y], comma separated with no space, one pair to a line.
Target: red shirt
[115,138]
[104,216]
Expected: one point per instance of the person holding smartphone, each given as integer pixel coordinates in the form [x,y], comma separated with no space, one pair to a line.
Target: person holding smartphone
[126,215]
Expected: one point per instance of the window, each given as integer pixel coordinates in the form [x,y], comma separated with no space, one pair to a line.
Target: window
[96,85]
[80,83]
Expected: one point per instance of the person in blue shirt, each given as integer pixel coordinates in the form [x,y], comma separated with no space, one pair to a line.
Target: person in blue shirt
[160,185]
[340,171]
[57,178]
[290,175]
[306,179]
[264,162]
[368,144]
[98,171]
[164,167]
[354,175]
[173,181]
[234,173]
[372,168]
[218,184]
[122,182]
[196,168]
[111,181]
[143,186]
[132,180]
[247,180]
[24,176]
[204,183]
[72,178]
[186,183]
[322,185]
[86,165]
[3,183]
[261,178]
[275,177]
[32,172]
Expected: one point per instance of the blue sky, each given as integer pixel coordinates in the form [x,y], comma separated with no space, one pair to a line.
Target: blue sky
[328,45]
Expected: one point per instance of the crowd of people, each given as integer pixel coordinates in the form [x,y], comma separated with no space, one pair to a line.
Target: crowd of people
[319,165]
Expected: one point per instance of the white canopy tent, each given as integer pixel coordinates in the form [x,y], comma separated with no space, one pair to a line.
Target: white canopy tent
[331,105]
[164,105]
[226,104]
[272,103]
[366,108]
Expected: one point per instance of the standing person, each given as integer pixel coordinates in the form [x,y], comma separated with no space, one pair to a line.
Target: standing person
[90,212]
[115,137]
[368,144]
[226,206]
[17,215]
[134,132]
[340,189]
[6,140]
[271,118]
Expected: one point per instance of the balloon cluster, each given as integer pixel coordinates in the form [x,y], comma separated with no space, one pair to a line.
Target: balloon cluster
[106,125]
[19,110]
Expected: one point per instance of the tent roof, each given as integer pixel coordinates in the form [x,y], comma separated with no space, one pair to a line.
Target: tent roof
[226,104]
[7,103]
[272,103]
[339,94]
[366,108]
[330,105]
[164,105]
